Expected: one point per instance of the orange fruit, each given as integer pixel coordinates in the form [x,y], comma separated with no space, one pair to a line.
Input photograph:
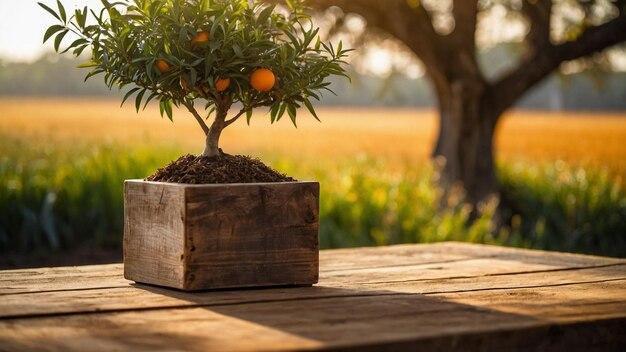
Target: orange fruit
[221,84]
[200,37]
[184,84]
[162,66]
[262,80]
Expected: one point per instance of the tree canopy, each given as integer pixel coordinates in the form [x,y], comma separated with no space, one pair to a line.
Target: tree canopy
[443,34]
[221,52]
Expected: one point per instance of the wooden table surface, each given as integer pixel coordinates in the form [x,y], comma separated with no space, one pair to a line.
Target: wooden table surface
[447,296]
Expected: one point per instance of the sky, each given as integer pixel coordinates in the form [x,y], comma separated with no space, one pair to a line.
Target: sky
[23,23]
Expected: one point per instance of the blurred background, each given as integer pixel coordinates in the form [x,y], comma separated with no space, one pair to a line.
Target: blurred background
[560,150]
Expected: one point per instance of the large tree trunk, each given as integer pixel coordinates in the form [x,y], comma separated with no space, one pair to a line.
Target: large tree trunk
[465,141]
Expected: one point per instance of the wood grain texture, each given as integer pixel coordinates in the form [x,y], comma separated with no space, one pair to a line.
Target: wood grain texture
[127,297]
[377,322]
[154,233]
[220,236]
[437,297]
[431,261]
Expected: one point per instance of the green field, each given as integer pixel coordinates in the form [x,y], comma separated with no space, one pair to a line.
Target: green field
[62,189]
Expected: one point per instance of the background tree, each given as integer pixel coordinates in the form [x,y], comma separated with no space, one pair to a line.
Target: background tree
[442,34]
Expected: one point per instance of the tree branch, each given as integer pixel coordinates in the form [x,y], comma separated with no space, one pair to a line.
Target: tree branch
[539,13]
[621,6]
[195,114]
[541,63]
[593,40]
[236,117]
[465,14]
[245,110]
[412,25]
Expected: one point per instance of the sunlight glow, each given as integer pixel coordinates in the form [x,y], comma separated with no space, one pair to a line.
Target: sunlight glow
[23,24]
[378,62]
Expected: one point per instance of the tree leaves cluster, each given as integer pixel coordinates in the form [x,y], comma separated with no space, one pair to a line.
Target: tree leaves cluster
[128,37]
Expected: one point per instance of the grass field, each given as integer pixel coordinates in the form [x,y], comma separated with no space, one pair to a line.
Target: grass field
[62,163]
[406,135]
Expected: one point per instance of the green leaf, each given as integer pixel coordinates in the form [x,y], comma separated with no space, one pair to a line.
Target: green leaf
[59,39]
[128,94]
[295,41]
[62,11]
[77,42]
[79,50]
[281,111]
[309,106]
[81,17]
[274,112]
[138,99]
[99,17]
[93,73]
[162,106]
[248,116]
[265,14]
[238,51]
[168,109]
[291,111]
[87,64]
[312,94]
[193,75]
[51,11]
[152,96]
[51,31]
[150,69]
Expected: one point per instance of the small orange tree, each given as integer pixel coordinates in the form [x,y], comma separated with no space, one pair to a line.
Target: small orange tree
[218,52]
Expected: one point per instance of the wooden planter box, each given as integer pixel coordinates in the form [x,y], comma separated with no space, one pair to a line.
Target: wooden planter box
[197,237]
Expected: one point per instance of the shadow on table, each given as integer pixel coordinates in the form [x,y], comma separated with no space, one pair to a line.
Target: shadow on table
[347,319]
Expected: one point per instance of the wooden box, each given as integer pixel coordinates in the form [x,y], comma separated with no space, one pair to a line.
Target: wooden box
[197,237]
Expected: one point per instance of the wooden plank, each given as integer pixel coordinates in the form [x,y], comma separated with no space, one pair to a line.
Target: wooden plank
[561,304]
[460,321]
[403,254]
[512,253]
[505,281]
[147,297]
[337,261]
[389,256]
[334,264]
[101,276]
[467,268]
[154,233]
[483,299]
[62,278]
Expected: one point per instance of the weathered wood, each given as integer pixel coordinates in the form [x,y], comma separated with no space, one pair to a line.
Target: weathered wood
[436,297]
[423,259]
[146,297]
[62,278]
[195,237]
[376,321]
[154,233]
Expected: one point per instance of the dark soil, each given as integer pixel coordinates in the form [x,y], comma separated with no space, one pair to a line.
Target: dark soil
[223,169]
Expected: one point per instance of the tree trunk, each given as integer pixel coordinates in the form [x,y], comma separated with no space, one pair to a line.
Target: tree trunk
[465,141]
[212,148]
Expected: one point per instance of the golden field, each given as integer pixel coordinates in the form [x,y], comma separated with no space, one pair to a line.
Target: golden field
[67,159]
[394,134]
